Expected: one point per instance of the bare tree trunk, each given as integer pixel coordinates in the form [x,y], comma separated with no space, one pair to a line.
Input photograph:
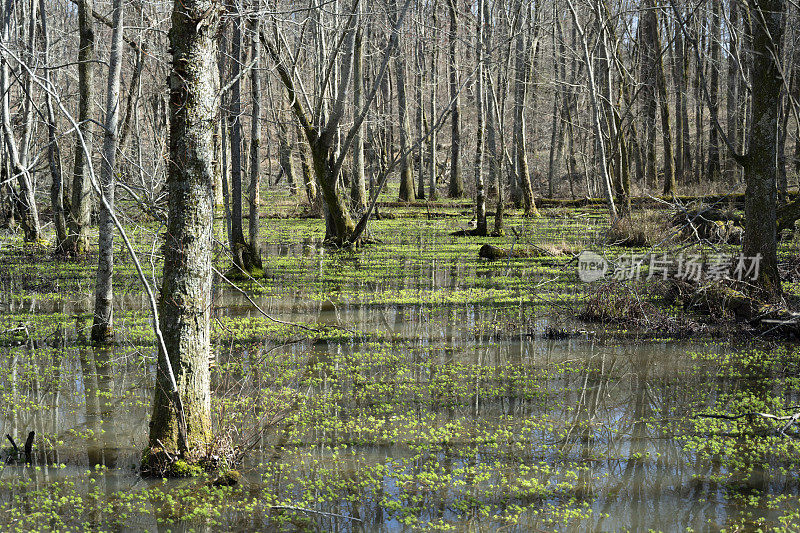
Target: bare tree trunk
[732,89]
[596,112]
[244,257]
[648,55]
[53,151]
[305,167]
[666,131]
[456,189]
[406,165]
[285,155]
[523,50]
[713,169]
[433,192]
[420,94]
[760,169]
[186,288]
[683,159]
[29,217]
[358,189]
[80,206]
[255,144]
[103,325]
[480,209]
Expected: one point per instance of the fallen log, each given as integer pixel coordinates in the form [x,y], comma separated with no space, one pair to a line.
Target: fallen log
[491,252]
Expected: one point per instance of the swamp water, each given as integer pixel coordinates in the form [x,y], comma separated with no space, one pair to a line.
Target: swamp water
[435,391]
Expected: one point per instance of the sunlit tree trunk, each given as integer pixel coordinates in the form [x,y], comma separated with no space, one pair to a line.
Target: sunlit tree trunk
[456,189]
[358,184]
[480,195]
[80,205]
[29,217]
[406,161]
[186,287]
[522,187]
[255,143]
[433,192]
[53,151]
[103,326]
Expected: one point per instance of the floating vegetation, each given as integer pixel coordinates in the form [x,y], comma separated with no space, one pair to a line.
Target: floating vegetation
[427,389]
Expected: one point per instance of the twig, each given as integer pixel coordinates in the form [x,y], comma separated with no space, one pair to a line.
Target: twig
[306,510]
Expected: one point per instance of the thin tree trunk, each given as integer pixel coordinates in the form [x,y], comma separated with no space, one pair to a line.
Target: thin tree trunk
[29,216]
[53,151]
[666,131]
[713,168]
[480,210]
[80,206]
[433,192]
[523,50]
[358,189]
[255,146]
[406,164]
[103,325]
[456,189]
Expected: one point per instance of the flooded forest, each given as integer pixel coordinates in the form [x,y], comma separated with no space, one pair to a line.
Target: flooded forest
[417,265]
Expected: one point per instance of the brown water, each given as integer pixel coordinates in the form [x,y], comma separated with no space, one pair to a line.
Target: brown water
[602,419]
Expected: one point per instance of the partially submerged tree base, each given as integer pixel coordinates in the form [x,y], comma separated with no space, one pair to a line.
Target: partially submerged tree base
[158,462]
[246,263]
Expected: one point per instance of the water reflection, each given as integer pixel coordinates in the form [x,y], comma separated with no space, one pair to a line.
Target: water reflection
[604,409]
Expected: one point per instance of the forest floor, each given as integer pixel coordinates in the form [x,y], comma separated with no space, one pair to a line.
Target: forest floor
[429,389]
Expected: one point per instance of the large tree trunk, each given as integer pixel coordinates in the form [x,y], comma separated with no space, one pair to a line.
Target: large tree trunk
[456,189]
[80,205]
[760,169]
[103,326]
[186,288]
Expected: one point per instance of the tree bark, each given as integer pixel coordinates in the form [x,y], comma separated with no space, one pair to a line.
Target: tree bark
[103,325]
[456,189]
[185,301]
[358,184]
[406,165]
[29,215]
[255,144]
[522,180]
[713,168]
[80,205]
[480,195]
[433,192]
[760,169]
[53,151]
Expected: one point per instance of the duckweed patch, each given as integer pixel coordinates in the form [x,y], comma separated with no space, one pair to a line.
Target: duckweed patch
[435,391]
